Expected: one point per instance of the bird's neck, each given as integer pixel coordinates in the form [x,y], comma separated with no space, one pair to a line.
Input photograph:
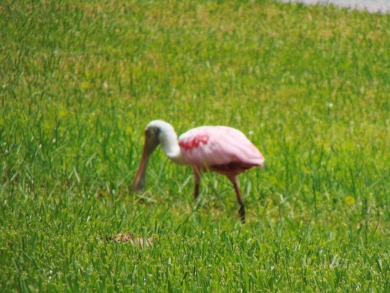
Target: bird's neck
[171,148]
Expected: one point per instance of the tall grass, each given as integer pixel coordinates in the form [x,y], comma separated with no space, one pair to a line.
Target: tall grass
[79,80]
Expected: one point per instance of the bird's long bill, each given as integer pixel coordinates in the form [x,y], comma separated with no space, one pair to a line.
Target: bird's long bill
[139,179]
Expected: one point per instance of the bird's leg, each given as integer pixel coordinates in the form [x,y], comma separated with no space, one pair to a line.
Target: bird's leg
[239,199]
[196,182]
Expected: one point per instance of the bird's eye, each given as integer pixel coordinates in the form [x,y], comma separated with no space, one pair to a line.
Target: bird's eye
[151,131]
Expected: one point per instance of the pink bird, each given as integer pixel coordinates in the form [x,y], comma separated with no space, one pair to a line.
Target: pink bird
[220,149]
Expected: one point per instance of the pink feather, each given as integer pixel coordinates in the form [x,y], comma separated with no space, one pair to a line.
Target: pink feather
[224,145]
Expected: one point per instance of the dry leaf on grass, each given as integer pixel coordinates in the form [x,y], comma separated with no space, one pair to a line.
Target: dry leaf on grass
[128,238]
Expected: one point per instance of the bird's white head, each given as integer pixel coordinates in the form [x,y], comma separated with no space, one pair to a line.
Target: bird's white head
[156,132]
[159,129]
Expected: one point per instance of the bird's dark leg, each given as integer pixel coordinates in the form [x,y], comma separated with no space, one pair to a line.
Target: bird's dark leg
[239,199]
[196,182]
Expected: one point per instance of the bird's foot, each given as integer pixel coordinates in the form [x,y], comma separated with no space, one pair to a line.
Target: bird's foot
[242,214]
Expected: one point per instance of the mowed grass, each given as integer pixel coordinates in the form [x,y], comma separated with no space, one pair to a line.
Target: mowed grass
[79,81]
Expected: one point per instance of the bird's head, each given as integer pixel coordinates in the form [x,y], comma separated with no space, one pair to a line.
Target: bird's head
[151,139]
[155,134]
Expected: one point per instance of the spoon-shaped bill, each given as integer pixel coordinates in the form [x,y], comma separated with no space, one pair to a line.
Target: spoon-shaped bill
[150,145]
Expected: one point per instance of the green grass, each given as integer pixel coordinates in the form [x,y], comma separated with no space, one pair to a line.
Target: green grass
[79,80]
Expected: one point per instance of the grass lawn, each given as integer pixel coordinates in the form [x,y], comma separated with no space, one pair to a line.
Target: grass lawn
[309,86]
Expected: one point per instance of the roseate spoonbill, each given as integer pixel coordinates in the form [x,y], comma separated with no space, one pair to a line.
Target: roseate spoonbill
[220,149]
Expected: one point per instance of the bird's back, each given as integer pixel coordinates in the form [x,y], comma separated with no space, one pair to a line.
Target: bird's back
[209,146]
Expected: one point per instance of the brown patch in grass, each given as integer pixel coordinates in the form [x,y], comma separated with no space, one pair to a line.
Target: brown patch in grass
[128,238]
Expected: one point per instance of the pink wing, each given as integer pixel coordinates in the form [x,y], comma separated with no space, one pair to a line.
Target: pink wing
[218,145]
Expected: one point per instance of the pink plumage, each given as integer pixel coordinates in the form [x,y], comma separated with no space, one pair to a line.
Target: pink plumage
[207,146]
[220,149]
